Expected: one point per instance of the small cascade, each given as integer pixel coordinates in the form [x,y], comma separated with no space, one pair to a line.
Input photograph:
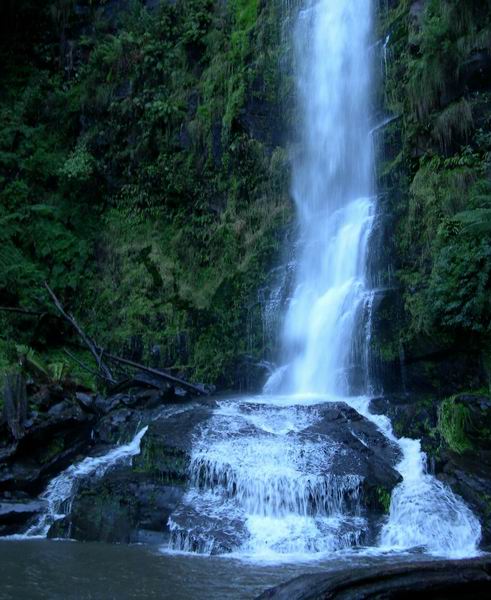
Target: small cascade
[260,486]
[62,489]
[424,513]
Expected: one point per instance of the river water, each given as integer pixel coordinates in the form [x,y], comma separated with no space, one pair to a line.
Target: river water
[65,570]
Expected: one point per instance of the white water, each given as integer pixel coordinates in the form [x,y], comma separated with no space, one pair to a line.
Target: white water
[61,490]
[259,486]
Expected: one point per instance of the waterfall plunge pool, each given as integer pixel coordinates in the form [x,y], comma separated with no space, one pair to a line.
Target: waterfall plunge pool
[38,569]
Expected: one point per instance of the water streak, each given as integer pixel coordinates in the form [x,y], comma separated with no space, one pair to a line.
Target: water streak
[60,491]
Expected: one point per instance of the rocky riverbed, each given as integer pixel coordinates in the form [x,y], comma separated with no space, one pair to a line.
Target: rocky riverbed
[132,500]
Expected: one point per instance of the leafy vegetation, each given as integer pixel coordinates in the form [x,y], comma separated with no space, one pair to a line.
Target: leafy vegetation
[453,424]
[437,171]
[138,178]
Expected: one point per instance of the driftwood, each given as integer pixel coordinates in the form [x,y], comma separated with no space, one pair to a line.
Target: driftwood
[176,381]
[96,352]
[15,403]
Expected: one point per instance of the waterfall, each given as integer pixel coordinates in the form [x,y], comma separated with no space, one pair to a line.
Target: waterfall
[61,490]
[263,481]
[333,191]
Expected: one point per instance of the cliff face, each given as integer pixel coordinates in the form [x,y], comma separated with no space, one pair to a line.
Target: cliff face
[432,328]
[143,176]
[435,179]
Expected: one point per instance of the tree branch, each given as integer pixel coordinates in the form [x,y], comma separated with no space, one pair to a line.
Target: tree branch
[106,371]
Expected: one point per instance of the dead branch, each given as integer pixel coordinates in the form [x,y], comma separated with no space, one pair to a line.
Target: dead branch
[198,390]
[96,352]
[22,311]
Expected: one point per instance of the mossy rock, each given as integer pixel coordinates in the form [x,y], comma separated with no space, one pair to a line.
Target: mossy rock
[464,422]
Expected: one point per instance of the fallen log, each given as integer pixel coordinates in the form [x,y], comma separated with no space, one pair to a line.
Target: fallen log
[86,367]
[199,390]
[105,371]
[96,352]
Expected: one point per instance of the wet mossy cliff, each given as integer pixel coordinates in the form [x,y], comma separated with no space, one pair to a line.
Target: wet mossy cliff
[432,325]
[143,175]
[434,178]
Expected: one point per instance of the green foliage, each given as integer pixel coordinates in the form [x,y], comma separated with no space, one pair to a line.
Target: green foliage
[450,31]
[454,123]
[132,185]
[384,497]
[453,424]
[52,372]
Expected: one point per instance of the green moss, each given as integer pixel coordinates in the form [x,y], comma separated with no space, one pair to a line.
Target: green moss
[154,210]
[384,498]
[453,424]
[166,464]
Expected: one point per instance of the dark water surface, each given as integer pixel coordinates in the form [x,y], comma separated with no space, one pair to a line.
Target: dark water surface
[64,570]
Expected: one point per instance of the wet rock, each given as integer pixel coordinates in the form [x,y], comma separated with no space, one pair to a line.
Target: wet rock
[469,472]
[105,404]
[469,476]
[115,426]
[166,447]
[130,499]
[260,118]
[49,443]
[86,401]
[207,534]
[364,450]
[119,505]
[429,580]
[15,514]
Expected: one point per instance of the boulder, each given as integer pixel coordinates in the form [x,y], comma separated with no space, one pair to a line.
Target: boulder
[49,443]
[366,453]
[129,503]
[429,580]
[14,514]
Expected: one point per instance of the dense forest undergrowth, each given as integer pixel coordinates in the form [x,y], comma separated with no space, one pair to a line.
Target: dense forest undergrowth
[143,176]
[144,169]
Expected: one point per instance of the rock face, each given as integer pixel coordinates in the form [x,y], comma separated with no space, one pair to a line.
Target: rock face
[49,443]
[368,453]
[133,502]
[14,515]
[435,580]
[130,501]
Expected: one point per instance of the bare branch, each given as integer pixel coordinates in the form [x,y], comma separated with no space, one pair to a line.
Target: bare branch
[97,353]
[165,376]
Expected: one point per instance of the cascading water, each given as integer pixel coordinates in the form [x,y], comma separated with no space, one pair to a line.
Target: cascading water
[61,490]
[261,480]
[332,189]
